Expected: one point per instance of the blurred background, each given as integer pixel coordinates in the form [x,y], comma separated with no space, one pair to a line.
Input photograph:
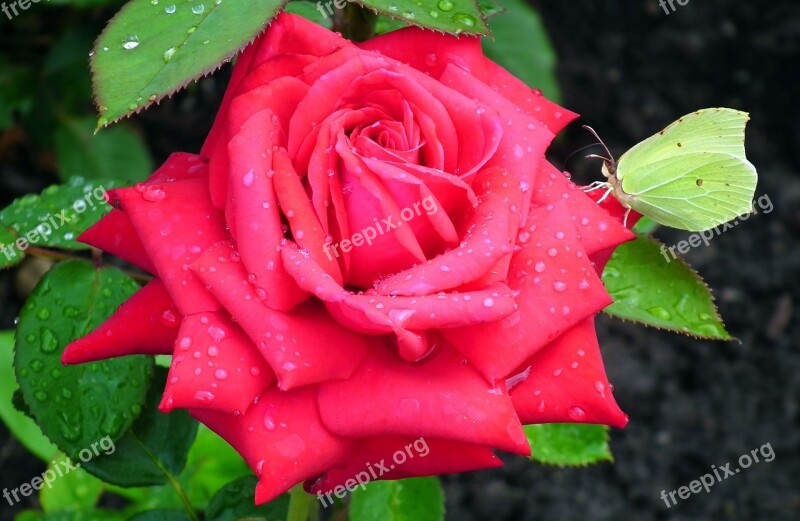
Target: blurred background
[628,68]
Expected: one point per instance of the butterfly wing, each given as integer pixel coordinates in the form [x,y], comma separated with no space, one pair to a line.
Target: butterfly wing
[695,192]
[707,130]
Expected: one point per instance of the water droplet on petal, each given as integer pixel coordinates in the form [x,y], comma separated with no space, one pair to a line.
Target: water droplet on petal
[576,413]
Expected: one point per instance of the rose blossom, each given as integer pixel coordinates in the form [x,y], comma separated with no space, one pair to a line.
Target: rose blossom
[459,326]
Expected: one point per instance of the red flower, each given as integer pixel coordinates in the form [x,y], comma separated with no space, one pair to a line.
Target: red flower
[370,249]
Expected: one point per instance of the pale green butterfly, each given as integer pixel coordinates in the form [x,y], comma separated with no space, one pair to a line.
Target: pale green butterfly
[692,175]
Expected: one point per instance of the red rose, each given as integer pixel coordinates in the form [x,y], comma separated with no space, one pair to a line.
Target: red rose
[370,250]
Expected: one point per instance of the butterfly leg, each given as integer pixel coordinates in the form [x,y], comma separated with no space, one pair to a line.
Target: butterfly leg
[605,195]
[625,220]
[594,186]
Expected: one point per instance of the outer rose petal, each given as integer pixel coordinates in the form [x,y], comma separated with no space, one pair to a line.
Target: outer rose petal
[567,383]
[224,367]
[176,222]
[597,229]
[282,439]
[146,324]
[438,398]
[425,457]
[115,234]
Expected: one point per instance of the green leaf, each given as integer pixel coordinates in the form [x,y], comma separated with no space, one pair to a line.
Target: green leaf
[21,426]
[152,49]
[10,255]
[309,11]
[450,16]
[212,464]
[490,8]
[71,515]
[568,444]
[416,499]
[651,287]
[75,490]
[56,217]
[154,449]
[161,515]
[117,153]
[79,408]
[236,500]
[645,226]
[522,47]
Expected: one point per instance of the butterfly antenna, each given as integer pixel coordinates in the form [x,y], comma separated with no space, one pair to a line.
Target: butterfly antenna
[566,161]
[597,137]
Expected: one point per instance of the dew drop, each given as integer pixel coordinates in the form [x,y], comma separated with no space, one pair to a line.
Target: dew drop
[576,413]
[170,9]
[130,41]
[198,9]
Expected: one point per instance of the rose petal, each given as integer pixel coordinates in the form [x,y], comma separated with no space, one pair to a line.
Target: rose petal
[176,222]
[146,324]
[215,366]
[440,50]
[567,383]
[306,228]
[557,289]
[257,221]
[115,234]
[488,239]
[596,228]
[440,398]
[420,457]
[303,347]
[282,439]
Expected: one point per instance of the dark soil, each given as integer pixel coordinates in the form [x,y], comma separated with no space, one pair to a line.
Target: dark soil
[629,69]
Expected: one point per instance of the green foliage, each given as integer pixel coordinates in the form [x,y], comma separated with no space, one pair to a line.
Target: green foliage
[159,47]
[161,515]
[55,217]
[568,444]
[416,499]
[154,450]
[650,287]
[535,61]
[117,154]
[450,16]
[71,404]
[76,490]
[21,426]
[237,501]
